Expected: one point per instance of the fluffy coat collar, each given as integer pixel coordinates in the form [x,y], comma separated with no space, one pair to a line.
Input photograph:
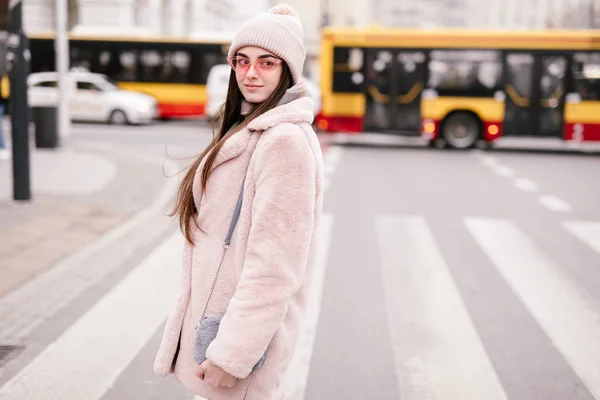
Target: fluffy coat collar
[295,107]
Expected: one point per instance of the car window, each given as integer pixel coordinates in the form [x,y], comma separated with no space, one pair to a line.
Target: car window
[108,83]
[88,86]
[51,84]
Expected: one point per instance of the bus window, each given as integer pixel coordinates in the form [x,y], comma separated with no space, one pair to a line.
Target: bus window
[150,65]
[179,64]
[586,71]
[88,58]
[44,57]
[164,66]
[519,74]
[203,60]
[104,60]
[111,61]
[465,72]
[127,66]
[348,74]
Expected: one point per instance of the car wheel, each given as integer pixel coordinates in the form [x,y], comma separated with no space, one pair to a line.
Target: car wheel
[118,117]
[461,130]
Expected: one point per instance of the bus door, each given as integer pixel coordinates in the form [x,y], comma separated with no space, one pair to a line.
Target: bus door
[410,77]
[535,94]
[394,83]
[553,92]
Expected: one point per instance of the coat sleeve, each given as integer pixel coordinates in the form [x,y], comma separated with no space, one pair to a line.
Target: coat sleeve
[277,253]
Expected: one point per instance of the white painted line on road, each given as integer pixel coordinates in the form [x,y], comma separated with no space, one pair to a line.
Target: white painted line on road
[586,231]
[503,171]
[488,161]
[526,185]
[87,359]
[332,159]
[554,203]
[437,350]
[569,316]
[296,377]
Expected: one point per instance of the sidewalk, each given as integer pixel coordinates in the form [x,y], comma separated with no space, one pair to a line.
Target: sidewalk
[80,192]
[77,196]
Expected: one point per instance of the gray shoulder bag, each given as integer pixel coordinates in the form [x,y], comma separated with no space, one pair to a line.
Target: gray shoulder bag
[208,327]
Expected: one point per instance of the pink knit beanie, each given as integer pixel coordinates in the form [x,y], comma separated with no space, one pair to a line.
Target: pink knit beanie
[278,31]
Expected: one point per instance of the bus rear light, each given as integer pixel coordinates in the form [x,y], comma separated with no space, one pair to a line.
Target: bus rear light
[429,127]
[493,130]
[322,124]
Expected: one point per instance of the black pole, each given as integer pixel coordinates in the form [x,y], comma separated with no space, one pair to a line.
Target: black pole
[17,58]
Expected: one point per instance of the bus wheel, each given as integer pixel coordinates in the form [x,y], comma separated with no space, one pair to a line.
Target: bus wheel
[461,130]
[118,117]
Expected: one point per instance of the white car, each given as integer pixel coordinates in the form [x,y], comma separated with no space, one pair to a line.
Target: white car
[218,81]
[93,97]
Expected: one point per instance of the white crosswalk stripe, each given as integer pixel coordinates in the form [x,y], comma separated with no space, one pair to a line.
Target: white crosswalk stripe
[437,350]
[554,203]
[586,231]
[85,361]
[296,378]
[570,317]
[111,333]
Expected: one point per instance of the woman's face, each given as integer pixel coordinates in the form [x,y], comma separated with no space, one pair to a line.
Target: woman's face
[257,73]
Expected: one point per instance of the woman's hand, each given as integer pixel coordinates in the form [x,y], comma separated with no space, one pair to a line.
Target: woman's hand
[210,373]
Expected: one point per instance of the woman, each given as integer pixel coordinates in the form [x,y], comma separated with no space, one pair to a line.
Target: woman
[266,144]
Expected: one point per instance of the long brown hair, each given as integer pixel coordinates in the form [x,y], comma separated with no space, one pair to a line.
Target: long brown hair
[228,115]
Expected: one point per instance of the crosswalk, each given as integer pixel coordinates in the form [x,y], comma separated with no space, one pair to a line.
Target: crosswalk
[437,349]
[85,360]
[586,231]
[438,353]
[568,315]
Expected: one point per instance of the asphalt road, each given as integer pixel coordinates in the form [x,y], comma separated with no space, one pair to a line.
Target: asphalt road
[444,275]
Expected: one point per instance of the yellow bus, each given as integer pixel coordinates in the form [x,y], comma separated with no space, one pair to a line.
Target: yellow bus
[172,70]
[459,87]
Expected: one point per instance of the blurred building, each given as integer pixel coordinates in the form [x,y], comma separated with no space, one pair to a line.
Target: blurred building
[534,14]
[359,13]
[182,17]
[577,14]
[487,14]
[421,13]
[161,17]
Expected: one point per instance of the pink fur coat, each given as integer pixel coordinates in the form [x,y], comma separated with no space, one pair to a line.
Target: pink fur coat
[261,290]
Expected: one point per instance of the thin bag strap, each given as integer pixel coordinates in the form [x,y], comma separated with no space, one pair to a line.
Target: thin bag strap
[234,219]
[236,215]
